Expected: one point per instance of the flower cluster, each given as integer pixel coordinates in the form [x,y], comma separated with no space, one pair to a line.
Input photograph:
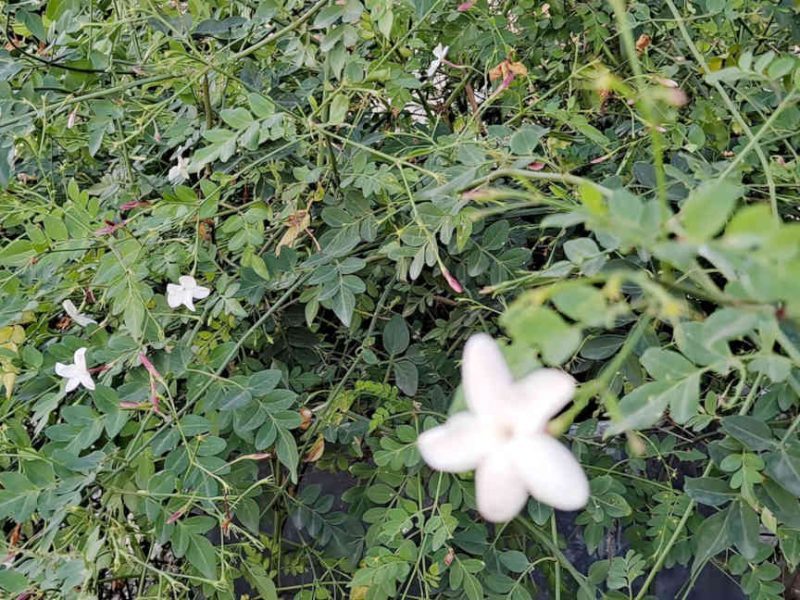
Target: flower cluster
[185,292]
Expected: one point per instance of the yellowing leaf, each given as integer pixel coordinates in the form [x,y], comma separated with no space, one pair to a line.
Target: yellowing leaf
[316,451]
[297,222]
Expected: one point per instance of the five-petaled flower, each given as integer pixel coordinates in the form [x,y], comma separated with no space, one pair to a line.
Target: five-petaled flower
[439,53]
[76,374]
[185,292]
[503,436]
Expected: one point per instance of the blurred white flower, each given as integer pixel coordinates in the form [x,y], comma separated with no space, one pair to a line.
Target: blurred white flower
[76,374]
[79,318]
[185,292]
[180,172]
[503,436]
[439,53]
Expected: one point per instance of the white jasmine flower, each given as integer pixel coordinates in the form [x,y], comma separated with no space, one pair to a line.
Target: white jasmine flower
[180,172]
[76,374]
[185,292]
[439,53]
[79,318]
[503,436]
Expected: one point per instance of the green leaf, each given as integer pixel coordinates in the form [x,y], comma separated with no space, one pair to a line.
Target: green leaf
[781,66]
[744,528]
[249,513]
[236,398]
[684,398]
[238,118]
[692,341]
[260,580]
[380,493]
[582,303]
[666,364]
[406,376]
[706,210]
[543,328]
[263,382]
[133,316]
[343,304]
[18,497]
[286,450]
[526,139]
[728,324]
[395,335]
[710,491]
[783,466]
[328,15]
[263,107]
[202,555]
[338,110]
[601,347]
[776,367]
[781,502]
[16,253]
[712,537]
[641,408]
[473,589]
[13,582]
[790,546]
[514,560]
[613,504]
[752,432]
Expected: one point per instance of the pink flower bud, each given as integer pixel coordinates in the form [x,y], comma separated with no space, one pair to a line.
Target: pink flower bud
[149,366]
[452,281]
[174,517]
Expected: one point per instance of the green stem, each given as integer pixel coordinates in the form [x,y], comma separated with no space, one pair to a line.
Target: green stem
[554,534]
[645,102]
[690,507]
[773,199]
[545,540]
[559,425]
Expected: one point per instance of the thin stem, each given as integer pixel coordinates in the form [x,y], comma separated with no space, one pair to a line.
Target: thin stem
[561,424]
[726,99]
[545,540]
[554,534]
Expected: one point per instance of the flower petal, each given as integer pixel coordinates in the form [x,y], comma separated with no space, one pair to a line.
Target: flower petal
[87,381]
[63,370]
[174,295]
[80,359]
[551,472]
[499,490]
[187,301]
[83,320]
[70,308]
[72,383]
[80,319]
[199,292]
[486,377]
[458,445]
[539,397]
[187,281]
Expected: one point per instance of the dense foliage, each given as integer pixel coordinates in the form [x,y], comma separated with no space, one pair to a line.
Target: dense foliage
[612,189]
